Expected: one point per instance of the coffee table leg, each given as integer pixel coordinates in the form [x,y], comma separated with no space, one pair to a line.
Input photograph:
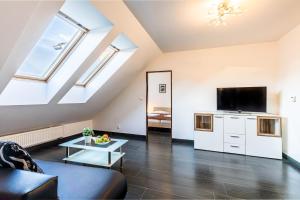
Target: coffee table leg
[109,158]
[121,161]
[67,153]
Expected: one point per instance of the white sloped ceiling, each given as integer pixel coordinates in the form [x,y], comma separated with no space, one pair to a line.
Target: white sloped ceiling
[17,17]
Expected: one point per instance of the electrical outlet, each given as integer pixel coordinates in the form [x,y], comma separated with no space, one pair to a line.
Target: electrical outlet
[118,126]
[293,99]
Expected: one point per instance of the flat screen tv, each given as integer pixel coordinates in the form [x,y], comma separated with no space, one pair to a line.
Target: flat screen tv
[251,99]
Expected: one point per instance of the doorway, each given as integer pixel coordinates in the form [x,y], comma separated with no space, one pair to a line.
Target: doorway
[159,106]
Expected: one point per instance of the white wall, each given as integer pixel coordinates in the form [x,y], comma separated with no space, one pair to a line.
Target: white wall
[196,75]
[156,99]
[127,112]
[289,85]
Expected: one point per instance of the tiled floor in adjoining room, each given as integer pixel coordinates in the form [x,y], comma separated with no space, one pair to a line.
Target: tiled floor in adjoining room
[159,170]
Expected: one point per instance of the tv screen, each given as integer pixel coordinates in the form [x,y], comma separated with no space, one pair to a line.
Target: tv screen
[251,99]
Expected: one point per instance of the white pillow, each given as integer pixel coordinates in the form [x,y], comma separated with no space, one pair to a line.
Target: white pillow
[161,112]
[153,114]
[153,121]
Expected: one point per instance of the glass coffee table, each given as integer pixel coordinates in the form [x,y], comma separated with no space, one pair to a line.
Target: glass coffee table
[104,155]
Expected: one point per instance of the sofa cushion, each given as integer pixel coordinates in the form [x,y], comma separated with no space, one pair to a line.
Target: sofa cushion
[14,156]
[82,182]
[19,184]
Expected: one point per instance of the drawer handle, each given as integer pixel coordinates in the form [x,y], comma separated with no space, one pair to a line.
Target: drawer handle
[234,136]
[234,117]
[218,117]
[233,146]
[251,118]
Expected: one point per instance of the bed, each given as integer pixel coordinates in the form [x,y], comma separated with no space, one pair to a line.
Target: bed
[160,117]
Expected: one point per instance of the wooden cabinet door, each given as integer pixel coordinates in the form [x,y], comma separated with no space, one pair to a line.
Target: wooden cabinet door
[261,146]
[212,141]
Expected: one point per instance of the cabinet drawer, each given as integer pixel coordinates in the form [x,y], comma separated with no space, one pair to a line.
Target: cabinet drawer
[234,148]
[234,139]
[234,124]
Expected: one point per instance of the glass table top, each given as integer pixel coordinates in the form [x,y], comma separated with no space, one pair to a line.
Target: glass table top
[79,143]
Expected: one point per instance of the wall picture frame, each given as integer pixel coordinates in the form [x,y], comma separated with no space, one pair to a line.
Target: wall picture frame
[162,88]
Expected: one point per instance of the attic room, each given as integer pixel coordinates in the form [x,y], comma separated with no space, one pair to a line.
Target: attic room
[156,99]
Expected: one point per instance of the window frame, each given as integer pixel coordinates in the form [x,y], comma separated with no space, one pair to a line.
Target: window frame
[61,58]
[99,67]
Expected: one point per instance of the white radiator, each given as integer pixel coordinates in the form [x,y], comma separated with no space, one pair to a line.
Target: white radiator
[28,139]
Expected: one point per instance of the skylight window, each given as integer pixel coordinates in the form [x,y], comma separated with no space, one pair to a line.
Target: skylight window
[56,43]
[100,63]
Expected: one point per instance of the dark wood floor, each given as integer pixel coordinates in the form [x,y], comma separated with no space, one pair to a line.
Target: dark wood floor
[160,170]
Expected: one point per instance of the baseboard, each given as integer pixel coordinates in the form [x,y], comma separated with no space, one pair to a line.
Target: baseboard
[292,161]
[119,134]
[183,141]
[141,137]
[98,132]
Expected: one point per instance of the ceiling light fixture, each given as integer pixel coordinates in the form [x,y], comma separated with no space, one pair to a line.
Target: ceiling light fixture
[223,8]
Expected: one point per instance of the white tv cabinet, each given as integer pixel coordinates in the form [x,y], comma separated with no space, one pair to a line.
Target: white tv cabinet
[238,133]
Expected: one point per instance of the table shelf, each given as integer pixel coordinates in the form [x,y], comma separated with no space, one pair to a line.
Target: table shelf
[96,158]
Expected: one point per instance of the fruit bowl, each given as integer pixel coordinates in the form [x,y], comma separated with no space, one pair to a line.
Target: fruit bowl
[102,143]
[102,140]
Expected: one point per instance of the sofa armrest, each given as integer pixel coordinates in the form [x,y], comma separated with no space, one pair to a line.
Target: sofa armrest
[20,184]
